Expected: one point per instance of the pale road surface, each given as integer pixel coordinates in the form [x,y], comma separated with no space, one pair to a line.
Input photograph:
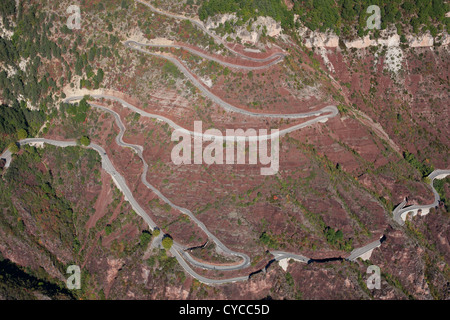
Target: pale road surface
[360,251]
[120,181]
[330,110]
[280,255]
[216,38]
[139,151]
[8,157]
[181,253]
[177,250]
[131,43]
[400,212]
[202,87]
[157,241]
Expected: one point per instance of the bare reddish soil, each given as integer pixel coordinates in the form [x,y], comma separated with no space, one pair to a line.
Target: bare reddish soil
[342,174]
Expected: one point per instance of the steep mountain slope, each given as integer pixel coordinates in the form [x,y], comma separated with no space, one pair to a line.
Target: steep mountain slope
[338,182]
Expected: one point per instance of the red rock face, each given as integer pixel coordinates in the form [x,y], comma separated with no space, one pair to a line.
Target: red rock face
[356,144]
[347,174]
[406,105]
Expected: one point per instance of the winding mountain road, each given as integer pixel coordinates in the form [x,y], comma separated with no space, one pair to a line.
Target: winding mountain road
[180,249]
[177,249]
[355,254]
[322,116]
[216,38]
[225,105]
[325,114]
[400,212]
[280,255]
[273,59]
[139,151]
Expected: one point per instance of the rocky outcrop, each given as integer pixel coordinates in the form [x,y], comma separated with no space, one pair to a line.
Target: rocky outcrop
[216,21]
[444,40]
[359,43]
[389,38]
[249,33]
[391,41]
[273,28]
[425,40]
[5,33]
[319,39]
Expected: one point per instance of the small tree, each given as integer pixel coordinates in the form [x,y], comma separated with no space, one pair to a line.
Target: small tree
[22,134]
[167,242]
[13,147]
[145,238]
[85,141]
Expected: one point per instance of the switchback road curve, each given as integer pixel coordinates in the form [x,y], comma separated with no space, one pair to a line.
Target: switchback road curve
[274,60]
[177,250]
[400,212]
[203,88]
[139,151]
[216,38]
[325,114]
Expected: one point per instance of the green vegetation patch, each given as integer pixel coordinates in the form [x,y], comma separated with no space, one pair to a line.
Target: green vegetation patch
[249,9]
